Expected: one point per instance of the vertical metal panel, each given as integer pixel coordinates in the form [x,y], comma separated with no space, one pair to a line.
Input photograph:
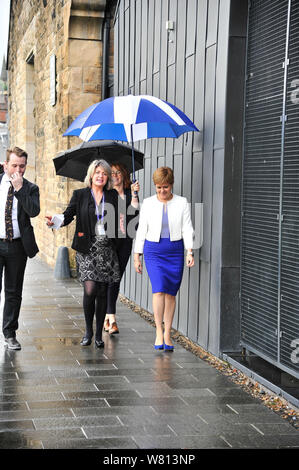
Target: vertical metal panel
[184,302]
[137,46]
[177,187]
[200,57]
[215,289]
[139,278]
[171,81]
[188,139]
[150,48]
[132,44]
[191,29]
[121,18]
[144,23]
[208,150]
[221,74]
[173,36]
[195,271]
[180,68]
[212,31]
[116,55]
[204,304]
[126,51]
[163,65]
[157,36]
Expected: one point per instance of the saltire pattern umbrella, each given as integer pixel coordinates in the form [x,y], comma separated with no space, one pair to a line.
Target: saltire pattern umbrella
[130,119]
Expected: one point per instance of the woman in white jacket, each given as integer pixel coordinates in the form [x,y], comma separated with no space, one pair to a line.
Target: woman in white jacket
[165,227]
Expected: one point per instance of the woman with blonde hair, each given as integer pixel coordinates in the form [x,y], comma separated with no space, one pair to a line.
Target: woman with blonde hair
[96,210]
[165,227]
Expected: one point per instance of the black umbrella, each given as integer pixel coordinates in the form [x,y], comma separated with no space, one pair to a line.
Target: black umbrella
[74,162]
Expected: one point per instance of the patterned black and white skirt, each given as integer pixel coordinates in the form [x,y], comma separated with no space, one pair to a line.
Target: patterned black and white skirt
[100,264]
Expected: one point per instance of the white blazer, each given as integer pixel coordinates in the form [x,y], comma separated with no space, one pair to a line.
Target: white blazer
[150,222]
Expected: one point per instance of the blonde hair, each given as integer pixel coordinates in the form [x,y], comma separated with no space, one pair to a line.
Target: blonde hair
[163,175]
[91,169]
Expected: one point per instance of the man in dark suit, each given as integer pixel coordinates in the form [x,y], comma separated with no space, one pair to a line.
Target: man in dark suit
[19,200]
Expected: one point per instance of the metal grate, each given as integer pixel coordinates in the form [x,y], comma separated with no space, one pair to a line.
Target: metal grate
[289,304]
[270,243]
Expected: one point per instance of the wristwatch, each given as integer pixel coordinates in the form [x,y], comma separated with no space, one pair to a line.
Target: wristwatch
[190,253]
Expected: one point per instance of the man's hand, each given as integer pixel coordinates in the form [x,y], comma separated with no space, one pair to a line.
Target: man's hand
[49,220]
[16,180]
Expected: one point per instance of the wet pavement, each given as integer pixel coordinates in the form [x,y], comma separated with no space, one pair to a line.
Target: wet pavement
[56,394]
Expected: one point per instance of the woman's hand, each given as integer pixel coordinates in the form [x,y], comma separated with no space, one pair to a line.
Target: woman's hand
[137,264]
[189,260]
[49,220]
[135,188]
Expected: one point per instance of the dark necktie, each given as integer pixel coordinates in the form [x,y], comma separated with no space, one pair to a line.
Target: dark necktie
[8,214]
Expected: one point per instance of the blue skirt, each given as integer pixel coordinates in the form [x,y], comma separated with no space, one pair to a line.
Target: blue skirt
[164,261]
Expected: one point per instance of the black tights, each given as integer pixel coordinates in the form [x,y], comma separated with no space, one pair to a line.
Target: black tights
[94,302]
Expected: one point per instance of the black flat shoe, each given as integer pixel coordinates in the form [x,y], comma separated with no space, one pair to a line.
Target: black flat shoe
[99,343]
[85,341]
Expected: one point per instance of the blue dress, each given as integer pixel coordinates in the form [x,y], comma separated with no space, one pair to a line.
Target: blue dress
[164,261]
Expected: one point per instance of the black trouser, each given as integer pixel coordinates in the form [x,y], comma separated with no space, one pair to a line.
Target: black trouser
[123,250]
[13,261]
[94,304]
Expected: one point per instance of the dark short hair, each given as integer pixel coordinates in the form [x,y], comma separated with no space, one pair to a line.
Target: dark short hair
[17,151]
[125,173]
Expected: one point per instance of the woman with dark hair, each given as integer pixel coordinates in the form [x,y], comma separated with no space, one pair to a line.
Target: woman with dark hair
[96,210]
[127,196]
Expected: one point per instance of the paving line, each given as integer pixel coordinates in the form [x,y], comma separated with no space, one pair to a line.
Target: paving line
[202,419]
[223,438]
[181,398]
[231,408]
[257,429]
[105,400]
[179,365]
[212,393]
[168,425]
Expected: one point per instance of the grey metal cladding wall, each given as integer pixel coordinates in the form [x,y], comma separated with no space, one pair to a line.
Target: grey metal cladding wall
[172,66]
[261,174]
[289,303]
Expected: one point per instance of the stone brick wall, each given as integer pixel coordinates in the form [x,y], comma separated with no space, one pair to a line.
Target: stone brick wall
[70,29]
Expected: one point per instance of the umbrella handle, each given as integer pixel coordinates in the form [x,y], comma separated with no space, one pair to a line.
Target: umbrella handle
[133,158]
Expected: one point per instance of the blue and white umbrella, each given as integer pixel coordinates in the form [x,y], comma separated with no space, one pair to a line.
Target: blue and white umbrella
[130,118]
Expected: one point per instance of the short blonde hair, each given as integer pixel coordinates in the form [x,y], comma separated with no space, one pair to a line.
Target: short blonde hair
[163,175]
[91,169]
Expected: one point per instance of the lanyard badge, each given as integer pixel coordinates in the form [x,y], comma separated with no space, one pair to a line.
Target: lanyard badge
[99,228]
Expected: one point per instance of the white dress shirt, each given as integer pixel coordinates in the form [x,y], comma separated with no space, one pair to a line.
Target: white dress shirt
[4,187]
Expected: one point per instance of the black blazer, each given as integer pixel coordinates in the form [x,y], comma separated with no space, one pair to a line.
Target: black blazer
[28,206]
[82,206]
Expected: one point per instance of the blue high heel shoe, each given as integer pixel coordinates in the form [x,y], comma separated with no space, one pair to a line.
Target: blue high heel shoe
[168,348]
[159,346]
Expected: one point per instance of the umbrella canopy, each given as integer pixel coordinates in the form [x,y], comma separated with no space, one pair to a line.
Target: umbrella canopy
[130,118]
[74,162]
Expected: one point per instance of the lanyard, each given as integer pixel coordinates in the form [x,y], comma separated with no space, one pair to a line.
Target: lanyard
[97,209]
